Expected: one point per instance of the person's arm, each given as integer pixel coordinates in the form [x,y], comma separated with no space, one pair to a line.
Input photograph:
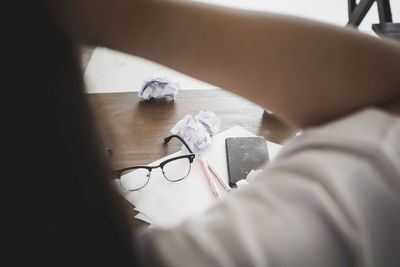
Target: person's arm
[306,72]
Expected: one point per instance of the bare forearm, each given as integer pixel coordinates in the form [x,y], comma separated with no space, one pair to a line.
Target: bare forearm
[306,72]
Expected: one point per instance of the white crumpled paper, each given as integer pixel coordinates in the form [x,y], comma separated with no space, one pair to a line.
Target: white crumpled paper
[249,178]
[197,132]
[209,120]
[159,87]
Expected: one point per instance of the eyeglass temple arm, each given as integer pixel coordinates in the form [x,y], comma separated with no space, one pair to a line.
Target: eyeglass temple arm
[167,139]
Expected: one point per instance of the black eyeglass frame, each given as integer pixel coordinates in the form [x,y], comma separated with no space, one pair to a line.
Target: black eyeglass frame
[190,157]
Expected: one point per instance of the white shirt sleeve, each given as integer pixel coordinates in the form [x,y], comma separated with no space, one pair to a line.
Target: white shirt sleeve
[330,198]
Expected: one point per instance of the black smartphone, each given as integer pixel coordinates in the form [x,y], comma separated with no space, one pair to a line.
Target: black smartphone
[244,154]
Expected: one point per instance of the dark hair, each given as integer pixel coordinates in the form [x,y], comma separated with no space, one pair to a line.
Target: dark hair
[74,214]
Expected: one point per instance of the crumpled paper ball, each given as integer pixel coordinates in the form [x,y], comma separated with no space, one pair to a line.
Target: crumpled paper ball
[210,121]
[159,87]
[197,132]
[249,178]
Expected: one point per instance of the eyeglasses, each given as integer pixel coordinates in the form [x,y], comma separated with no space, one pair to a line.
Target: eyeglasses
[174,169]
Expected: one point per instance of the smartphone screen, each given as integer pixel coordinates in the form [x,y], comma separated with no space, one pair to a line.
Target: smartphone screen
[244,154]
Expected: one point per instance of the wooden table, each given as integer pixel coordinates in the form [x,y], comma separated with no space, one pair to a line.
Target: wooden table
[134,129]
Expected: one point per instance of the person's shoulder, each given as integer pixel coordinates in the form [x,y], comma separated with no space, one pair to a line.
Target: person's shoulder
[369,123]
[366,131]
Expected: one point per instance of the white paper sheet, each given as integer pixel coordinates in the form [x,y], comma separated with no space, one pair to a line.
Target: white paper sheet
[167,204]
[141,216]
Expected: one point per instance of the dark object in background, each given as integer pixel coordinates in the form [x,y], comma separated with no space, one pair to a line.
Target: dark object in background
[385,28]
[244,154]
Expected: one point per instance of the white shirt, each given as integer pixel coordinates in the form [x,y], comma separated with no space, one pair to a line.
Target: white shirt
[330,198]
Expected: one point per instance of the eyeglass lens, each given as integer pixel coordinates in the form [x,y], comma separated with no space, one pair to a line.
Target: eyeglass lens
[175,170]
[135,179]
